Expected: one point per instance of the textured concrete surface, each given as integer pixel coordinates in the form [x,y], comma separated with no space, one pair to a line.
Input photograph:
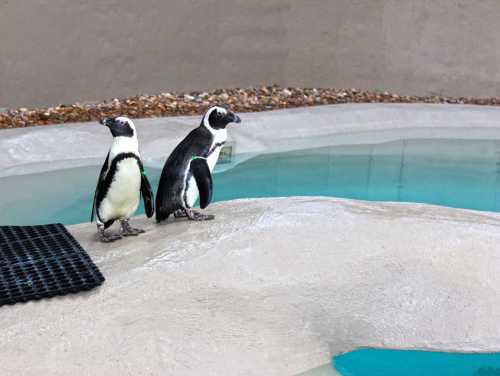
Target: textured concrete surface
[54,147]
[64,51]
[271,287]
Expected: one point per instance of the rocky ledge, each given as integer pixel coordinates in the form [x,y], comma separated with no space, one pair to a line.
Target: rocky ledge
[248,99]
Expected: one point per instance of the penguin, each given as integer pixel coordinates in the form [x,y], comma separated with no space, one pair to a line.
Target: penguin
[187,172]
[121,182]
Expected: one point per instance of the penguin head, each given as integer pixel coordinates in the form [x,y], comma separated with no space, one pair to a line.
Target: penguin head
[120,126]
[218,117]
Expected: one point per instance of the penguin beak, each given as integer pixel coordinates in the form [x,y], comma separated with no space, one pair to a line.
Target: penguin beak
[233,118]
[106,122]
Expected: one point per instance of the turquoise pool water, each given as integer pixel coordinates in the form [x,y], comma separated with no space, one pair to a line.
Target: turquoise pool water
[371,362]
[457,173]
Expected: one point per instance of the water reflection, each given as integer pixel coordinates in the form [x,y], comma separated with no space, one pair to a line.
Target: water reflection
[455,173]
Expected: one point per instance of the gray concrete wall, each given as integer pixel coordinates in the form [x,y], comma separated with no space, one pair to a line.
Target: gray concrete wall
[55,51]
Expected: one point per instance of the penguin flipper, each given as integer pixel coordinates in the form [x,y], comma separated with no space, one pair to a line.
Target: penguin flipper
[100,181]
[147,195]
[201,172]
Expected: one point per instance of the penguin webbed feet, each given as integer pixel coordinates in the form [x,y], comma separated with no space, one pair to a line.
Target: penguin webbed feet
[180,213]
[108,237]
[128,230]
[194,215]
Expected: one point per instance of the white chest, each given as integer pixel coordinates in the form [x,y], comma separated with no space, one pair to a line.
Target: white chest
[219,138]
[213,158]
[220,135]
[127,177]
[122,198]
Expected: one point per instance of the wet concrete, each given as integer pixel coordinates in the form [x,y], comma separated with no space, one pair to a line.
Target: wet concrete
[271,286]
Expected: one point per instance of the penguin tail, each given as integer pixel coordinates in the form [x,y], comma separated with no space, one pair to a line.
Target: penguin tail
[164,207]
[167,200]
[162,214]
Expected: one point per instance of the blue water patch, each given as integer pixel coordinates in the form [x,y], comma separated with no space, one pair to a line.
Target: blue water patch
[374,362]
[456,173]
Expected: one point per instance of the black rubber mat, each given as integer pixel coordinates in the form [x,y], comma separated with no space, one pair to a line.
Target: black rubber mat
[43,261]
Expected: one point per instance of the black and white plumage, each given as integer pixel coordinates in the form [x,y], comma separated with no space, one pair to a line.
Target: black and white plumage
[121,182]
[187,172]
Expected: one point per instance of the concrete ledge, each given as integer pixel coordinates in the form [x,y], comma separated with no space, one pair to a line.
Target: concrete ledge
[53,147]
[272,286]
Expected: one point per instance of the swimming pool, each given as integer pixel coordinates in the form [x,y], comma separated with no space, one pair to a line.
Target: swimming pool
[456,173]
[377,362]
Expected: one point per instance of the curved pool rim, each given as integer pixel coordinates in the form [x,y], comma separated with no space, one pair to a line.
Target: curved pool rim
[48,148]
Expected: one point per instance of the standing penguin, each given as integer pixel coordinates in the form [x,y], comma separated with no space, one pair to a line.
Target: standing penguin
[187,172]
[121,182]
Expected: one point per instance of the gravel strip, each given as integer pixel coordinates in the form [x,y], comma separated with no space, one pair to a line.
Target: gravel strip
[240,100]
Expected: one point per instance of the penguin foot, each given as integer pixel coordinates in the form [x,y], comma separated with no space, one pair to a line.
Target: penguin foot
[128,230]
[180,214]
[197,216]
[109,238]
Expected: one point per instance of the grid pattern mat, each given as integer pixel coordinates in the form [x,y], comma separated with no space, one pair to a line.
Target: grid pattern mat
[43,261]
